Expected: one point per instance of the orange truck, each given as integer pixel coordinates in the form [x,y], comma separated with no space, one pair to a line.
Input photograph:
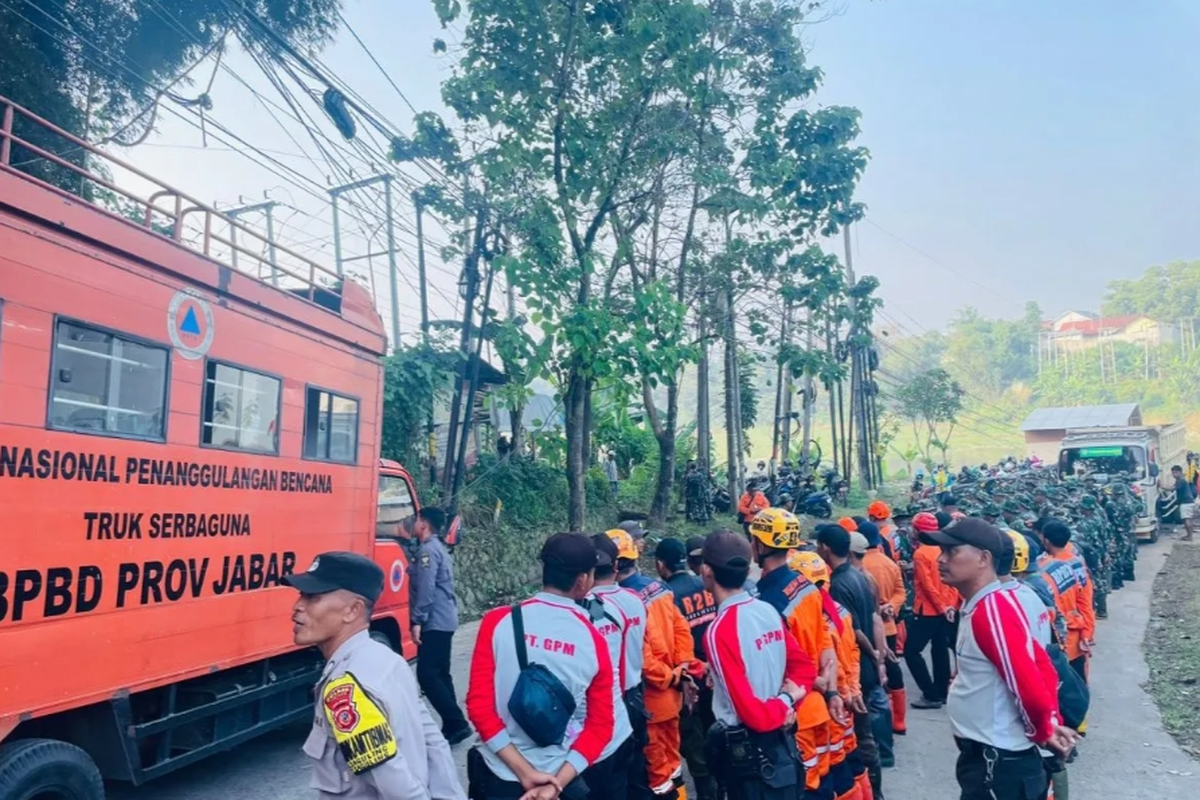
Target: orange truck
[185,419]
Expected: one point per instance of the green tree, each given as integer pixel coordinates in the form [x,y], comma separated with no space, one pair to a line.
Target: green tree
[98,68]
[931,402]
[1164,293]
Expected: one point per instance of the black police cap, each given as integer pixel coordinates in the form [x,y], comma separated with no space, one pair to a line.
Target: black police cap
[340,570]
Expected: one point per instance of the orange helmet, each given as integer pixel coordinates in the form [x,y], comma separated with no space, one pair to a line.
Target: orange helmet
[878,510]
[850,525]
[810,565]
[624,542]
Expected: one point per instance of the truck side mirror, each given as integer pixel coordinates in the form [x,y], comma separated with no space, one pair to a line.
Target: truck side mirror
[1154,470]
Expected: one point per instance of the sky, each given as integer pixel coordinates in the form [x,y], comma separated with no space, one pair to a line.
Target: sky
[1020,151]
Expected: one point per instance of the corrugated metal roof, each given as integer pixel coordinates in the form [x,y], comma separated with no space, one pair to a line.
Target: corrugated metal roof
[1109,416]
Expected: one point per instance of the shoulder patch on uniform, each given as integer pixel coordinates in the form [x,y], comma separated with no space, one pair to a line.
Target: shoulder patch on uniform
[654,590]
[359,726]
[425,560]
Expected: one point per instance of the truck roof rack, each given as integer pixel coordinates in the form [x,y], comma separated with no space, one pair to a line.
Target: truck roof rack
[41,152]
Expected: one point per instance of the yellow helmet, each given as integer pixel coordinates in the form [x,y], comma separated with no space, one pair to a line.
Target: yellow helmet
[624,542]
[1020,552]
[776,528]
[810,565]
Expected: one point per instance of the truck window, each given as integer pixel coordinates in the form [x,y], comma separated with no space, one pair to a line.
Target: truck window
[395,505]
[1103,461]
[241,409]
[106,382]
[330,427]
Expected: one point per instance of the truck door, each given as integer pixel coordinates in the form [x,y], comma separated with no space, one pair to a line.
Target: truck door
[397,506]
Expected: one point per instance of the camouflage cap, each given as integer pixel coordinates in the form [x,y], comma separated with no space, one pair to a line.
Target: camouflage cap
[991,510]
[1088,502]
[1012,507]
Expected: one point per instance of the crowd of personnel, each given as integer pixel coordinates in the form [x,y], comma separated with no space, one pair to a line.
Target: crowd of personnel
[767,660]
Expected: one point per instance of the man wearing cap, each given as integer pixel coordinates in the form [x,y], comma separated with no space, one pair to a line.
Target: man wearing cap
[890,584]
[372,737]
[434,617]
[559,638]
[665,671]
[1001,704]
[636,532]
[620,617]
[934,608]
[759,675]
[699,609]
[853,589]
[1072,585]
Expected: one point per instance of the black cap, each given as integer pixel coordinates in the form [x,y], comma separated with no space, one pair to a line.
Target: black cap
[970,531]
[870,532]
[727,549]
[339,570]
[606,550]
[573,553]
[633,528]
[943,519]
[695,547]
[672,552]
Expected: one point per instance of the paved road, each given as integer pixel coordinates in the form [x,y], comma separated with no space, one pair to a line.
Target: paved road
[1127,753]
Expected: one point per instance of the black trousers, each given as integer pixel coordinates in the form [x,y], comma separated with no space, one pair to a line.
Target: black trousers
[937,634]
[610,776]
[433,674]
[895,675]
[988,773]
[868,752]
[693,733]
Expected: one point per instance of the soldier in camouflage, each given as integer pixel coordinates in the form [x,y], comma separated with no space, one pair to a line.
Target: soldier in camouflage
[1094,537]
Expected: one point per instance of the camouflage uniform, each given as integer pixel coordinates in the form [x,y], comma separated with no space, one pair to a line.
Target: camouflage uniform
[1093,535]
[1123,510]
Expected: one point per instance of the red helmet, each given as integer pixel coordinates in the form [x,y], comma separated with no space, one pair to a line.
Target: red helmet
[924,522]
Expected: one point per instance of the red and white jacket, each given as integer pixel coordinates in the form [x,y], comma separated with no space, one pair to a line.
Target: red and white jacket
[631,605]
[1003,694]
[750,652]
[616,627]
[558,635]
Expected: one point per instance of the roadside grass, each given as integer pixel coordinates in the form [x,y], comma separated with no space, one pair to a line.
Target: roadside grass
[1173,646]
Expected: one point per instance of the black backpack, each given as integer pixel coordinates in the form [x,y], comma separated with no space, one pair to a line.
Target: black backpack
[539,703]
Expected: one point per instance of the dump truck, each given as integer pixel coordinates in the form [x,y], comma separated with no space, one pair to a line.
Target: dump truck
[189,413]
[1142,452]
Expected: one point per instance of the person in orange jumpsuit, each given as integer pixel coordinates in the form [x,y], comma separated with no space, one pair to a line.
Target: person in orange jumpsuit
[847,773]
[880,514]
[890,583]
[1066,572]
[750,503]
[935,608]
[773,533]
[665,671]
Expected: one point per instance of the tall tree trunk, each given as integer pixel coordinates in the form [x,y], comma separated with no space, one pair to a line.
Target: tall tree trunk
[731,420]
[703,422]
[575,401]
[809,399]
[516,421]
[664,433]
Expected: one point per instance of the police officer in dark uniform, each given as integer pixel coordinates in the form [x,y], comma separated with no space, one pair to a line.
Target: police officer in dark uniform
[372,737]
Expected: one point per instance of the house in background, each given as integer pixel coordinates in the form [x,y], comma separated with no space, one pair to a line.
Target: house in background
[1081,330]
[1045,428]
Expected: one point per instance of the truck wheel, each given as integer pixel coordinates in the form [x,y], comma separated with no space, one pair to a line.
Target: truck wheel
[1154,534]
[45,769]
[384,640]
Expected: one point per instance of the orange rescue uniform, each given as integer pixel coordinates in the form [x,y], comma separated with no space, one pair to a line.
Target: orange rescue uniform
[668,650]
[931,596]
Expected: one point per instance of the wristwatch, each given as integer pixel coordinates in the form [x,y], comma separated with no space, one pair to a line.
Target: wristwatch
[830,694]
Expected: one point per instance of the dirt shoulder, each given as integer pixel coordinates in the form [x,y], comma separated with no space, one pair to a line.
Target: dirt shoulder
[1173,646]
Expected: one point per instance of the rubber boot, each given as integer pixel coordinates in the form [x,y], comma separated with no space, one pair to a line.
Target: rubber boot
[899,699]
[1101,602]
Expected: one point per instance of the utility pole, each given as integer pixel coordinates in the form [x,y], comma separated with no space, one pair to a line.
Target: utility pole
[469,289]
[389,226]
[267,209]
[420,206]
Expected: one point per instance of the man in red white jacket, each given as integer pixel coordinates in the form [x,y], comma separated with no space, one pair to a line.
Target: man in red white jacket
[759,673]
[1003,702]
[559,636]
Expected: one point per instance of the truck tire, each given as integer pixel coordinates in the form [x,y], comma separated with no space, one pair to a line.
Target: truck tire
[1154,534]
[383,639]
[48,770]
